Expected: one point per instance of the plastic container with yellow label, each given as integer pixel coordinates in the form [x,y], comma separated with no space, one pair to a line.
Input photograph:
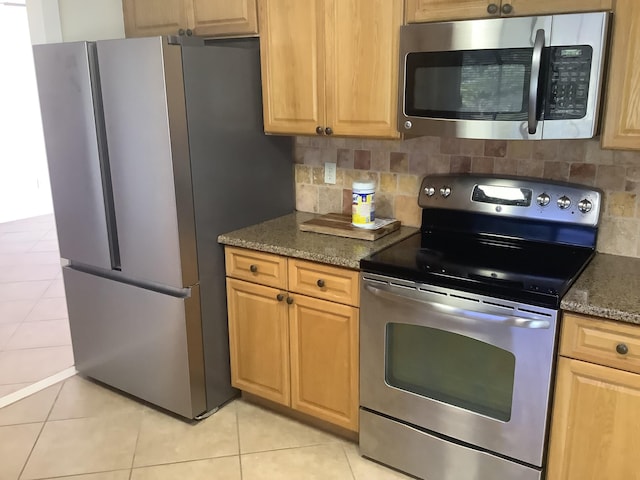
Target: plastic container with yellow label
[363,210]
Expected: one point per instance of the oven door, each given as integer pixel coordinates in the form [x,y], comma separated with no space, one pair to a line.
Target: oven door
[474,369]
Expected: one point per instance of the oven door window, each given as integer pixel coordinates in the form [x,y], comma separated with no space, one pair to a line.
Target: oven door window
[469,84]
[450,368]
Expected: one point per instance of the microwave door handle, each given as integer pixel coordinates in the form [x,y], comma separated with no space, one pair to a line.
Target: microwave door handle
[506,320]
[535,81]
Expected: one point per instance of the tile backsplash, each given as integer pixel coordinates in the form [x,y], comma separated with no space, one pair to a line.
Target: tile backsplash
[397,167]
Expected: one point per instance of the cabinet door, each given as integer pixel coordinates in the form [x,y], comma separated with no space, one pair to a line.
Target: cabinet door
[292,61]
[144,18]
[324,360]
[622,118]
[546,7]
[362,45]
[595,418]
[258,340]
[442,10]
[224,17]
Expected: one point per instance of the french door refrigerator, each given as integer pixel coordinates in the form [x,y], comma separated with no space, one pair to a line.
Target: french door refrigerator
[156,146]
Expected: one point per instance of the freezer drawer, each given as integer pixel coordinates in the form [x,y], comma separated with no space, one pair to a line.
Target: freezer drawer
[145,343]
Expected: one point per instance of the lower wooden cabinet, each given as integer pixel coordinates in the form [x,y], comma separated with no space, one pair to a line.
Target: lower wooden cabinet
[295,349]
[594,434]
[596,413]
[258,340]
[324,360]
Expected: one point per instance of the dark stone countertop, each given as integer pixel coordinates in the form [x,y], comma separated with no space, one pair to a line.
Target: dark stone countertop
[282,236]
[609,288]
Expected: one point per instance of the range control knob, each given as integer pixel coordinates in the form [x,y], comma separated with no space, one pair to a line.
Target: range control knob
[429,191]
[564,202]
[445,191]
[543,199]
[585,205]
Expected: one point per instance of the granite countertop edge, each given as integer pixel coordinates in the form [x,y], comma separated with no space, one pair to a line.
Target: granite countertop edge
[598,311]
[290,252]
[282,236]
[607,288]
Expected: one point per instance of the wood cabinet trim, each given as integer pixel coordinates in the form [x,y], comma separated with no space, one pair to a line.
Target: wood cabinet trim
[420,11]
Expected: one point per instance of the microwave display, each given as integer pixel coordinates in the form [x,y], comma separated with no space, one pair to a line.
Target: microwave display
[470,84]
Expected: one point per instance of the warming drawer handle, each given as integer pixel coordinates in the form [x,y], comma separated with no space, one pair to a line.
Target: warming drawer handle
[506,320]
[534,82]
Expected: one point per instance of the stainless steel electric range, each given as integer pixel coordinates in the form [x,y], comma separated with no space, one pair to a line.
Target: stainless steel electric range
[458,326]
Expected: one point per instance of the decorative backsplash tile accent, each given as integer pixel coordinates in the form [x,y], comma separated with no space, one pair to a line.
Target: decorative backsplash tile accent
[397,168]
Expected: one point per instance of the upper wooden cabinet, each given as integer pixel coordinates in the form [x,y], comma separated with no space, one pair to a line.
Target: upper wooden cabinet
[442,10]
[621,126]
[206,18]
[329,67]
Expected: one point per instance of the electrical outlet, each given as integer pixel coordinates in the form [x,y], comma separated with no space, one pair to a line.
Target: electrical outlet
[330,173]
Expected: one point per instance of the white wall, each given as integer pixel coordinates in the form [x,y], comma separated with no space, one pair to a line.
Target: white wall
[24,177]
[91,19]
[44,21]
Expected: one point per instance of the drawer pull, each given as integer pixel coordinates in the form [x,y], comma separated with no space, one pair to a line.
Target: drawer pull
[622,349]
[289,300]
[253,268]
[280,297]
[320,283]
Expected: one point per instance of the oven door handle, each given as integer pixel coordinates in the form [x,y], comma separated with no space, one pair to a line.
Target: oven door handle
[506,320]
[534,81]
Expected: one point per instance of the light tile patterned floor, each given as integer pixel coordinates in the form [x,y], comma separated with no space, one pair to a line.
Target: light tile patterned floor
[35,342]
[81,430]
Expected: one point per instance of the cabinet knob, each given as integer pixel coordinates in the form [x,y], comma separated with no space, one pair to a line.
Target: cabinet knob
[507,8]
[492,9]
[189,32]
[319,130]
[289,300]
[622,349]
[253,268]
[320,283]
[280,297]
[328,131]
[181,32]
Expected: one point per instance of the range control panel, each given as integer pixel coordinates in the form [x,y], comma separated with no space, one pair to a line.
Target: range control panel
[513,197]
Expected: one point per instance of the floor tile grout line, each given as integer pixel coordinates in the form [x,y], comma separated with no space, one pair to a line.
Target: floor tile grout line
[344,452]
[24,465]
[238,435]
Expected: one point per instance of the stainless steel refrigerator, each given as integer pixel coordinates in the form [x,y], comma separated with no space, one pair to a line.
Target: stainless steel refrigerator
[155,147]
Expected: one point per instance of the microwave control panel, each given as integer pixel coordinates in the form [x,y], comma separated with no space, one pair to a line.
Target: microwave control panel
[568,89]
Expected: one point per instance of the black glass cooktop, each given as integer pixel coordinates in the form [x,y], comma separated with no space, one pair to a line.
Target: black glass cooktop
[533,272]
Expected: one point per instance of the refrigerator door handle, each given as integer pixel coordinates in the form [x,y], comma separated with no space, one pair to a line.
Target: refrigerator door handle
[103,159]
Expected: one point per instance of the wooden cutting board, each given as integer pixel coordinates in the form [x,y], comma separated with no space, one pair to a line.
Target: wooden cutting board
[339,224]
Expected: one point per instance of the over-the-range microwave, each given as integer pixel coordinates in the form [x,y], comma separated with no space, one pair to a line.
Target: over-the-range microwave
[528,78]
